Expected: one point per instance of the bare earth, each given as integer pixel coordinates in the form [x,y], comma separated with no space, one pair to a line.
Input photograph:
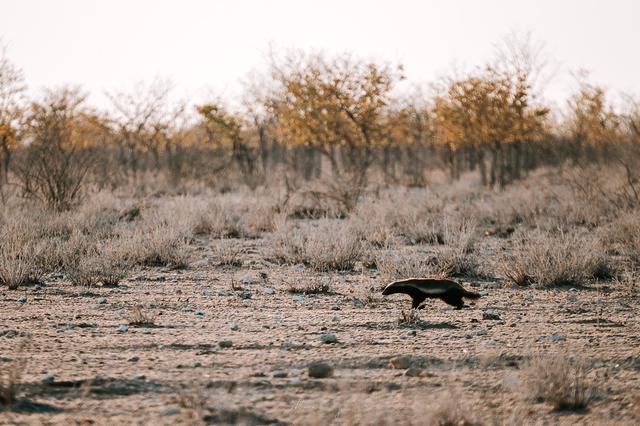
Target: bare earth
[82,370]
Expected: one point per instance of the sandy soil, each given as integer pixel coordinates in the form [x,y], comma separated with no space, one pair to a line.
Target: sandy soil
[82,369]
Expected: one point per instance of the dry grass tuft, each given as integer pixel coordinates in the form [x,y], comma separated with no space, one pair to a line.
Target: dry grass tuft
[543,260]
[11,375]
[140,318]
[325,246]
[559,381]
[394,266]
[450,409]
[409,317]
[310,286]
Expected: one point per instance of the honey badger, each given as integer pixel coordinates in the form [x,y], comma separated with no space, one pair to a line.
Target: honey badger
[420,289]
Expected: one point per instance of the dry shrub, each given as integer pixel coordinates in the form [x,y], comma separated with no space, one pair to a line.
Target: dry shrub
[559,381]
[140,318]
[17,257]
[11,375]
[326,245]
[159,245]
[394,266]
[458,258]
[333,246]
[547,260]
[449,408]
[103,265]
[624,235]
[229,253]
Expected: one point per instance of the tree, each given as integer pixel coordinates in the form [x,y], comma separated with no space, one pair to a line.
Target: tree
[12,89]
[56,159]
[335,105]
[145,119]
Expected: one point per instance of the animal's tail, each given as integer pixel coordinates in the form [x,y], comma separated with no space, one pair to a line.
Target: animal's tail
[470,295]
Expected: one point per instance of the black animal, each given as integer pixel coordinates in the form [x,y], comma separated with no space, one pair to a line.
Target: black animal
[430,288]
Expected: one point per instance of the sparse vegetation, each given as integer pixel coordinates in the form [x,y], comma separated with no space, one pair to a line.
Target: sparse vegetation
[560,381]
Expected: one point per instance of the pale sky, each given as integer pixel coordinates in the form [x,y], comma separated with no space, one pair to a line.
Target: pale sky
[208,47]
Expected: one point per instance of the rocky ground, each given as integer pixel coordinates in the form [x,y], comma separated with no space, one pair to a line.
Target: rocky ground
[224,344]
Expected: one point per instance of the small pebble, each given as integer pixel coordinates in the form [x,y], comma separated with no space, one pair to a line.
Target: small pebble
[234,326]
[329,338]
[320,370]
[123,328]
[47,378]
[170,411]
[101,300]
[225,343]
[133,358]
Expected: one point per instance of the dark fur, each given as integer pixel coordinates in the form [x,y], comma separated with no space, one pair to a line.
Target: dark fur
[420,289]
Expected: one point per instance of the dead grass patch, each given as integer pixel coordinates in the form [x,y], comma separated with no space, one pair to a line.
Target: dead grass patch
[544,260]
[559,380]
[140,318]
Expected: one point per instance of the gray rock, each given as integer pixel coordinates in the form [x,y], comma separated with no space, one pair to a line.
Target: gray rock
[299,266]
[329,338]
[336,318]
[222,292]
[47,378]
[133,358]
[140,377]
[557,337]
[280,374]
[123,328]
[244,295]
[234,326]
[296,379]
[101,300]
[170,411]
[320,370]
[198,276]
[247,280]
[22,300]
[490,315]
[247,301]
[268,290]
[299,298]
[200,314]
[225,343]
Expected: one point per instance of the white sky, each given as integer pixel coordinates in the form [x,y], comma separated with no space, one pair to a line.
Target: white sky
[207,47]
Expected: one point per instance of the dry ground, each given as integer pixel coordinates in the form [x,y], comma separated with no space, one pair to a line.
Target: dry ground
[228,338]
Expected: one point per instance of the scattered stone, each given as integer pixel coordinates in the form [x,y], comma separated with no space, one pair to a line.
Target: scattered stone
[401,362]
[187,309]
[413,372]
[299,298]
[140,377]
[295,372]
[133,358]
[247,301]
[481,333]
[336,318]
[170,411]
[198,276]
[490,315]
[200,314]
[296,379]
[483,293]
[37,287]
[123,328]
[335,308]
[341,279]
[22,300]
[47,378]
[279,374]
[264,276]
[245,295]
[222,292]
[234,326]
[268,290]
[329,338]
[393,386]
[445,334]
[246,280]
[557,337]
[358,303]
[225,344]
[101,300]
[299,266]
[411,333]
[320,370]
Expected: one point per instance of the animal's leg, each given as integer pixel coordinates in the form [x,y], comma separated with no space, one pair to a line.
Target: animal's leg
[417,300]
